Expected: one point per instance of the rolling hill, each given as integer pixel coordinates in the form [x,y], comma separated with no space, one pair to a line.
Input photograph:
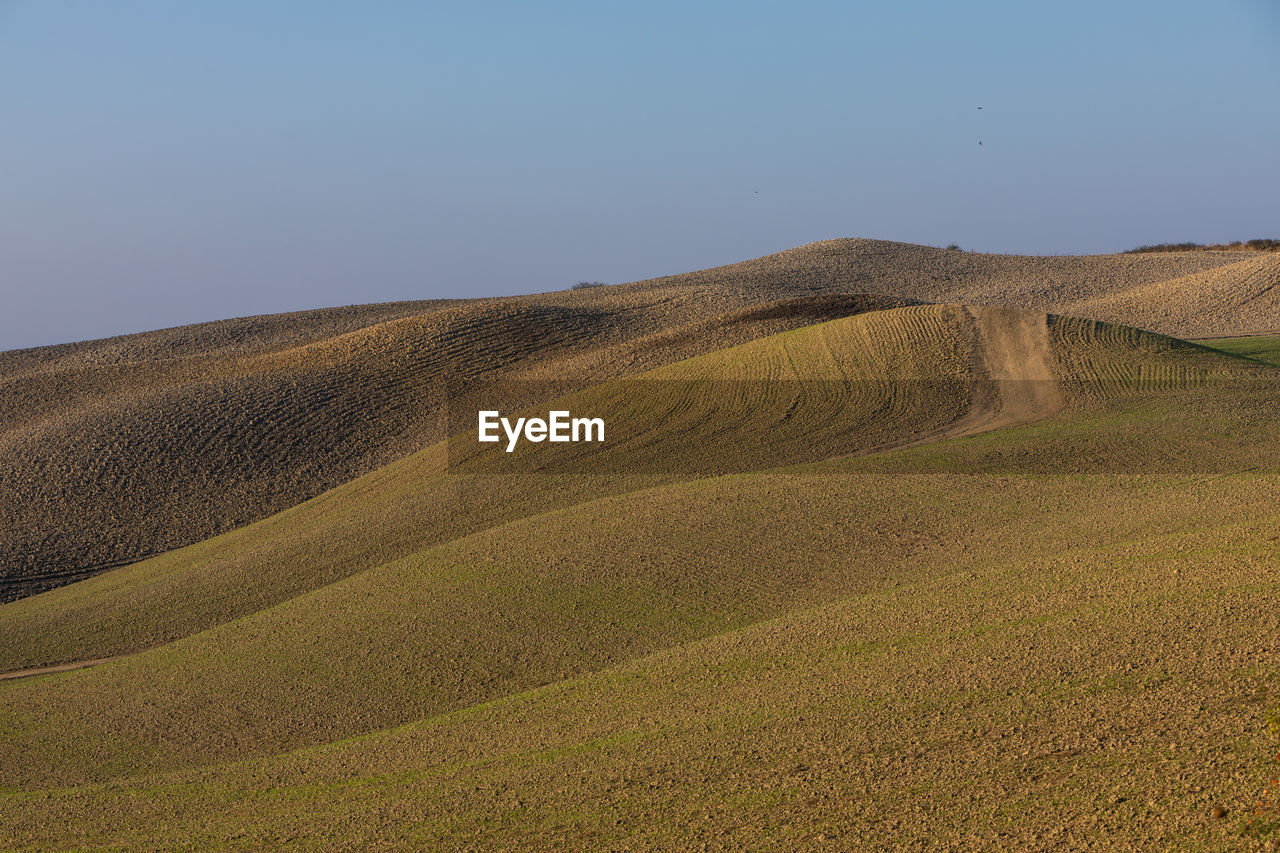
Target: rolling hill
[858,568]
[824,390]
[155,443]
[158,440]
[664,612]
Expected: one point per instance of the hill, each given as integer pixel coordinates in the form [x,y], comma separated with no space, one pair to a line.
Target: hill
[1241,298]
[154,441]
[1052,604]
[864,382]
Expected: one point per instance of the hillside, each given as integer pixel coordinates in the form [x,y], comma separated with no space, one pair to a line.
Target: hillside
[856,384]
[154,441]
[153,444]
[1023,609]
[881,379]
[1237,298]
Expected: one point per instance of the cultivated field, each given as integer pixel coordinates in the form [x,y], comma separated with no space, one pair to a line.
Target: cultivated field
[932,567]
[158,440]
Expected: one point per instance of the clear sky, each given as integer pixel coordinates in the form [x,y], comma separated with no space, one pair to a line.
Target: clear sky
[170,162]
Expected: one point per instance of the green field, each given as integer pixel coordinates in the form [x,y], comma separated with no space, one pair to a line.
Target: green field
[937,596]
[1264,348]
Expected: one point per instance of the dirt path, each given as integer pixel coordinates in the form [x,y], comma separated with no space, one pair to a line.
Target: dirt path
[49,670]
[1017,364]
[1013,375]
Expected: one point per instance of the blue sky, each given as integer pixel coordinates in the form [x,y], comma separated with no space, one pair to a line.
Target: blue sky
[165,163]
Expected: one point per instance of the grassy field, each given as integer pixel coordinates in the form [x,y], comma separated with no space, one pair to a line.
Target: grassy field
[1046,620]
[1264,348]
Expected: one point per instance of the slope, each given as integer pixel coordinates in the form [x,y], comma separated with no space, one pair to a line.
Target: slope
[1262,348]
[1060,284]
[111,451]
[1242,297]
[155,441]
[1104,694]
[471,619]
[824,390]
[815,657]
